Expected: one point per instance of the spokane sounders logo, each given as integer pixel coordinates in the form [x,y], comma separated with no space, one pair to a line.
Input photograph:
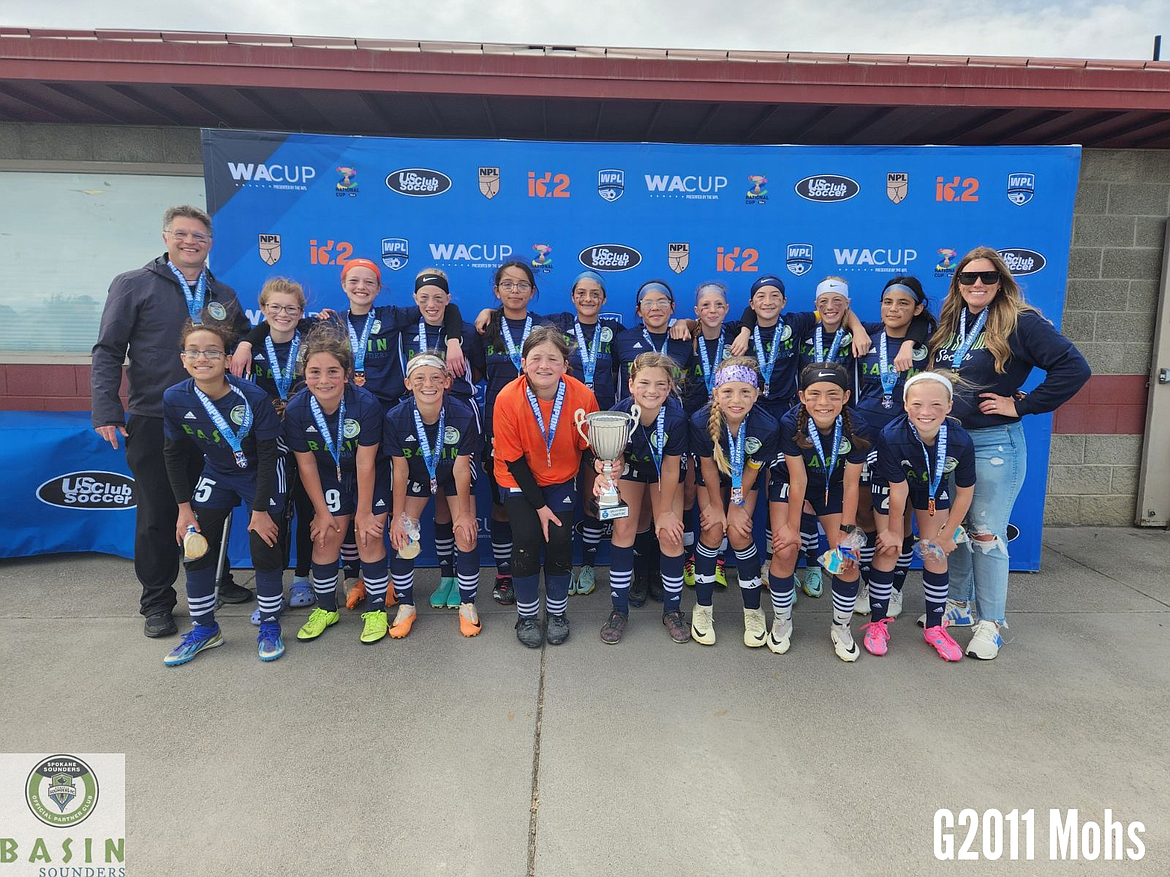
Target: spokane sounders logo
[62,791]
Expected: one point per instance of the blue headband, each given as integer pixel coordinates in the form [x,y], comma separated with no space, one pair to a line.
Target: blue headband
[710,286]
[589,275]
[909,290]
[654,286]
[767,280]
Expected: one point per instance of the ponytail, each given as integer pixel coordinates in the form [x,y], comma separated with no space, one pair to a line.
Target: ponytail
[802,440]
[859,442]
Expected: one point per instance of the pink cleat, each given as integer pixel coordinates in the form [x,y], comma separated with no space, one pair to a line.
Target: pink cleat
[943,642]
[877,636]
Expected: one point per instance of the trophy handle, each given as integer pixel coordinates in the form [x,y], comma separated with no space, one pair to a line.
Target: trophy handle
[579,419]
[635,418]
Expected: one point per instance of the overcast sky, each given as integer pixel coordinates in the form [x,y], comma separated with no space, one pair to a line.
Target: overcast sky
[1065,28]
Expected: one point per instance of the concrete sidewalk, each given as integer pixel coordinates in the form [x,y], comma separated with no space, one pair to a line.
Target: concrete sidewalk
[448,756]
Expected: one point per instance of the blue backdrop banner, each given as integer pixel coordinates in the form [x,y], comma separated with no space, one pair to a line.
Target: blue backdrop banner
[301,205]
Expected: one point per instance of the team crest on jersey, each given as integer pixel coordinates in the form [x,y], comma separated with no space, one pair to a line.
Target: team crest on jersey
[1020,188]
[846,446]
[846,340]
[217,311]
[678,256]
[606,333]
[237,415]
[921,352]
[269,246]
[489,182]
[376,329]
[951,464]
[751,445]
[800,259]
[352,428]
[451,436]
[896,186]
[611,184]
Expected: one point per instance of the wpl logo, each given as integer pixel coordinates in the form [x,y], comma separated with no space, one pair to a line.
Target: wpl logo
[800,259]
[678,256]
[395,253]
[1020,188]
[611,184]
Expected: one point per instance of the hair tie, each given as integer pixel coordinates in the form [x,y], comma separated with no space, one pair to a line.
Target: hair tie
[361,263]
[930,376]
[424,359]
[431,280]
[741,373]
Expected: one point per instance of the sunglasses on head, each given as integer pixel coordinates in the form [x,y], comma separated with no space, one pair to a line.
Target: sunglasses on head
[968,278]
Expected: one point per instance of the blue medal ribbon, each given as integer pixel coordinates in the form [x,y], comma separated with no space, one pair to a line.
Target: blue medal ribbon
[708,366]
[514,350]
[334,447]
[829,465]
[549,433]
[819,344]
[737,457]
[889,376]
[283,375]
[934,476]
[768,366]
[194,299]
[235,440]
[358,345]
[588,352]
[423,342]
[967,340]
[657,442]
[431,455]
[650,341]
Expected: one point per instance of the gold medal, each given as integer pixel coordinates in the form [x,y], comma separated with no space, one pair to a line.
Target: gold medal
[359,378]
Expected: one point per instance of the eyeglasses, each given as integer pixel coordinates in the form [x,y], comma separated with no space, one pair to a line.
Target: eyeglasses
[212,355]
[196,236]
[510,285]
[291,310]
[968,278]
[655,304]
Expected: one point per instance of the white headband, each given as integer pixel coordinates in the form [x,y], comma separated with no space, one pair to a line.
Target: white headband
[424,359]
[930,376]
[831,285]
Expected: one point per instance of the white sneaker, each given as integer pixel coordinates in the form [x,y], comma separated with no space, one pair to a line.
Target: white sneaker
[896,605]
[861,607]
[843,643]
[986,642]
[780,638]
[755,628]
[703,625]
[958,614]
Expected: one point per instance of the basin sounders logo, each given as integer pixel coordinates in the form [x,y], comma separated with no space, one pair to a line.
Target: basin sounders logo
[89,490]
[272,176]
[827,188]
[1021,261]
[62,791]
[418,182]
[800,259]
[1021,187]
[542,262]
[611,184]
[610,257]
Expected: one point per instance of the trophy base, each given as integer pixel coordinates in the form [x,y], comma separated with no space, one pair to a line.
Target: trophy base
[608,512]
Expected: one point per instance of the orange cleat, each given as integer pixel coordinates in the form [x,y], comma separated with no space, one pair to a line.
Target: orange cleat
[356,594]
[403,622]
[469,622]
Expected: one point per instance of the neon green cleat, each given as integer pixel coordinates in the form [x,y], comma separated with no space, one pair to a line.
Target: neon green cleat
[375,626]
[319,619]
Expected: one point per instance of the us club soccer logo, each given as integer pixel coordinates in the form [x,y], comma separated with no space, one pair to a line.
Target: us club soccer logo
[395,253]
[489,182]
[1021,187]
[62,791]
[346,185]
[611,184]
[542,262]
[897,185]
[678,256]
[799,259]
[269,246]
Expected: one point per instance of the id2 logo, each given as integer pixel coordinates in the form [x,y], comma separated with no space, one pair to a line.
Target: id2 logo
[548,185]
[738,259]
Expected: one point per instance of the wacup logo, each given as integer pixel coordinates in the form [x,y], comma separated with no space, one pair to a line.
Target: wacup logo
[756,193]
[489,182]
[897,185]
[395,253]
[678,256]
[1021,186]
[542,262]
[89,490]
[471,255]
[351,428]
[887,260]
[548,185]
[946,262]
[1022,262]
[271,176]
[827,188]
[610,257]
[418,182]
[611,184]
[268,246]
[688,186]
[61,791]
[346,186]
[800,259]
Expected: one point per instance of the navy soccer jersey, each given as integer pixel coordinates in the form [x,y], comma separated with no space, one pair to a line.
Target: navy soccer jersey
[185,416]
[675,440]
[362,427]
[759,442]
[410,346]
[499,369]
[638,340]
[818,478]
[869,375]
[808,350]
[605,373]
[902,457]
[262,366]
[790,328]
[460,439]
[695,394]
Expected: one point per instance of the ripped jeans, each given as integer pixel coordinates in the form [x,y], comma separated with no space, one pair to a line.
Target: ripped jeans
[1001,461]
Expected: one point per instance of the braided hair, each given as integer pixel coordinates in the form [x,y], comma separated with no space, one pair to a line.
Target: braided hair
[715,419]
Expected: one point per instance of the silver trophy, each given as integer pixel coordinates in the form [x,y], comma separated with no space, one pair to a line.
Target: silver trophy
[609,433]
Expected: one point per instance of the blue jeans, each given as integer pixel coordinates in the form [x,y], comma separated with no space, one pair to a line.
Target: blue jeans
[1001,461]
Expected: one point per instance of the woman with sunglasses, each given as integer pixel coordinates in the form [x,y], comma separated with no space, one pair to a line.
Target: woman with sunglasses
[993,339]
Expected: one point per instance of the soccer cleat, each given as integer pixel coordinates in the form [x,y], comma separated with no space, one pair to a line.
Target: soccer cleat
[301,595]
[721,573]
[877,636]
[639,589]
[503,592]
[439,598]
[755,628]
[454,601]
[943,642]
[586,580]
[529,631]
[611,631]
[269,643]
[843,643]
[354,593]
[958,614]
[895,604]
[375,626]
[558,629]
[676,626]
[813,583]
[703,625]
[469,623]
[986,642]
[780,636]
[319,620]
[689,572]
[198,638]
[404,620]
[861,605]
[656,592]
